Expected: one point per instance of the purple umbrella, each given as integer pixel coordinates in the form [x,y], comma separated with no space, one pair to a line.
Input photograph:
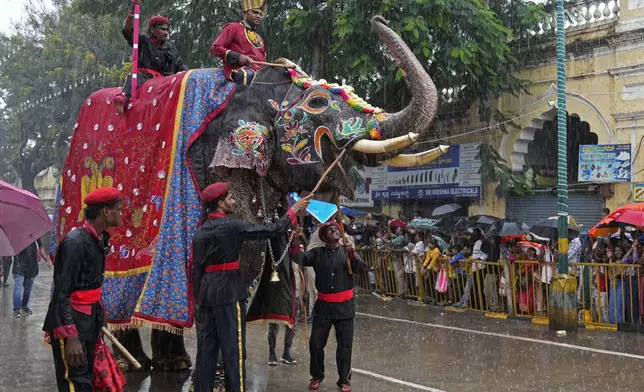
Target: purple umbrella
[22,219]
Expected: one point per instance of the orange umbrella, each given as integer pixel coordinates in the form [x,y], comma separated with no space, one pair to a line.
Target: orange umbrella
[626,215]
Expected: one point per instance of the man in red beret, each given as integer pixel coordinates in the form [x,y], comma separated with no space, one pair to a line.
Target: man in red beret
[335,306]
[157,56]
[75,315]
[239,45]
[218,288]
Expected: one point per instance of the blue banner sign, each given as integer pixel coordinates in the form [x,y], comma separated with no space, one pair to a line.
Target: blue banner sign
[604,163]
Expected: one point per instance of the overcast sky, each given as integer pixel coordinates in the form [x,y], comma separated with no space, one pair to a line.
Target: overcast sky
[10,10]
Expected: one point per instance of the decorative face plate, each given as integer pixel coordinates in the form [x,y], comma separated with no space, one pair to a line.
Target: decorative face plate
[249,140]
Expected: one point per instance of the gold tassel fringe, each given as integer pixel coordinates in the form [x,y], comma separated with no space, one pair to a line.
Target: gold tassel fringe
[139,323]
[271,321]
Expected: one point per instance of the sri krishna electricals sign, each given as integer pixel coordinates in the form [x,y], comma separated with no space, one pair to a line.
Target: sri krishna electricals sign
[455,174]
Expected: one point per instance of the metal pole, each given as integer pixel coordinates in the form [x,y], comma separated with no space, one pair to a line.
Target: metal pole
[135,49]
[562,142]
[562,307]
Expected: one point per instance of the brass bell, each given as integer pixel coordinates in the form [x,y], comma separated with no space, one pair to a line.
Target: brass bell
[275,277]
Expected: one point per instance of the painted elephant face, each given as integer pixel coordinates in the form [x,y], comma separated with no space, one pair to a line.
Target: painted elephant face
[318,117]
[314,126]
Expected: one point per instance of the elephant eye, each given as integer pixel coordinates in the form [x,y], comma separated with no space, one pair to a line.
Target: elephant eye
[318,103]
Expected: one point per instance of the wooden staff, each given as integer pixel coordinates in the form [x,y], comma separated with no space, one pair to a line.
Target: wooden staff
[328,170]
[264,64]
[344,239]
[122,349]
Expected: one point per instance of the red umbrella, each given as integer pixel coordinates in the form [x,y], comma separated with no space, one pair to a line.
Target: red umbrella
[626,215]
[398,223]
[22,219]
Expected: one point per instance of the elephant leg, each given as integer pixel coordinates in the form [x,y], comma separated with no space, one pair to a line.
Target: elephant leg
[169,352]
[131,340]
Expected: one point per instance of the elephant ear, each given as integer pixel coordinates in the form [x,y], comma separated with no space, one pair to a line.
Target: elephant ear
[246,147]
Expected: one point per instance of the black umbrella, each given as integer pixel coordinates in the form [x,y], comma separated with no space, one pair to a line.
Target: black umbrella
[508,228]
[548,228]
[446,209]
[446,224]
[481,221]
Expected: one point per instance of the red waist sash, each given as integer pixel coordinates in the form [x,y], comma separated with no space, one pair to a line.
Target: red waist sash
[152,72]
[233,265]
[86,297]
[342,296]
[82,300]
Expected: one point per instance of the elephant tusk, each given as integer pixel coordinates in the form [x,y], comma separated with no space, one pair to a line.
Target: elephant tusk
[385,146]
[412,160]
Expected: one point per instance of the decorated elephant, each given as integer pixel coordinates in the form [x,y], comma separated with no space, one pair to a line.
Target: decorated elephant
[192,129]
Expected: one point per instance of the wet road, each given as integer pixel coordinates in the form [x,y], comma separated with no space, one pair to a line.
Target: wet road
[398,347]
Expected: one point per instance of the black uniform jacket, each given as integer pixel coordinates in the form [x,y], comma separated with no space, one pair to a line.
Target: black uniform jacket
[164,59]
[332,276]
[79,266]
[218,243]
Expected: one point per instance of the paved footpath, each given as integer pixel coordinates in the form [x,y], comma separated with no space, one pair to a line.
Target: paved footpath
[398,347]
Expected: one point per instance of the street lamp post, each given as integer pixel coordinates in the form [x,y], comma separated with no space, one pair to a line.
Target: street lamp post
[562,313]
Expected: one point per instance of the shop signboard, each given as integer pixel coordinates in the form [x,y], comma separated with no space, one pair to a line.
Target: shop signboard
[605,163]
[454,175]
[638,192]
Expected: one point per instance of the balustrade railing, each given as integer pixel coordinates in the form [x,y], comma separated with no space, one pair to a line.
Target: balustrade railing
[582,14]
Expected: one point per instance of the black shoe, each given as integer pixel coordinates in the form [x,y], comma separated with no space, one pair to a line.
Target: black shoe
[287,358]
[16,314]
[26,310]
[272,359]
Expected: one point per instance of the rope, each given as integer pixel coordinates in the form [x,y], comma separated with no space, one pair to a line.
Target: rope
[480,129]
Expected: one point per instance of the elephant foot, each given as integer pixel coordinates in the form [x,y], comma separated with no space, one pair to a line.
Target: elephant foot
[131,340]
[172,364]
[169,352]
[219,388]
[127,366]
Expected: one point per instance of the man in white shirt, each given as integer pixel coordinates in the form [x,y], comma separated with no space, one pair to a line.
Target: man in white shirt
[477,296]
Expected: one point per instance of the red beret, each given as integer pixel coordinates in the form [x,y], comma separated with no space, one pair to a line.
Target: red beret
[102,195]
[156,20]
[214,192]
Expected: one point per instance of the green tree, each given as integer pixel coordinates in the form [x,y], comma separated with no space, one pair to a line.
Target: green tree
[54,61]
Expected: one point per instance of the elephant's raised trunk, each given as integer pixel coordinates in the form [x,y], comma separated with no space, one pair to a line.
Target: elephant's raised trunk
[418,115]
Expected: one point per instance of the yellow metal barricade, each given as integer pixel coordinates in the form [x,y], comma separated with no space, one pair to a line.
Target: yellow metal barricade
[608,295]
